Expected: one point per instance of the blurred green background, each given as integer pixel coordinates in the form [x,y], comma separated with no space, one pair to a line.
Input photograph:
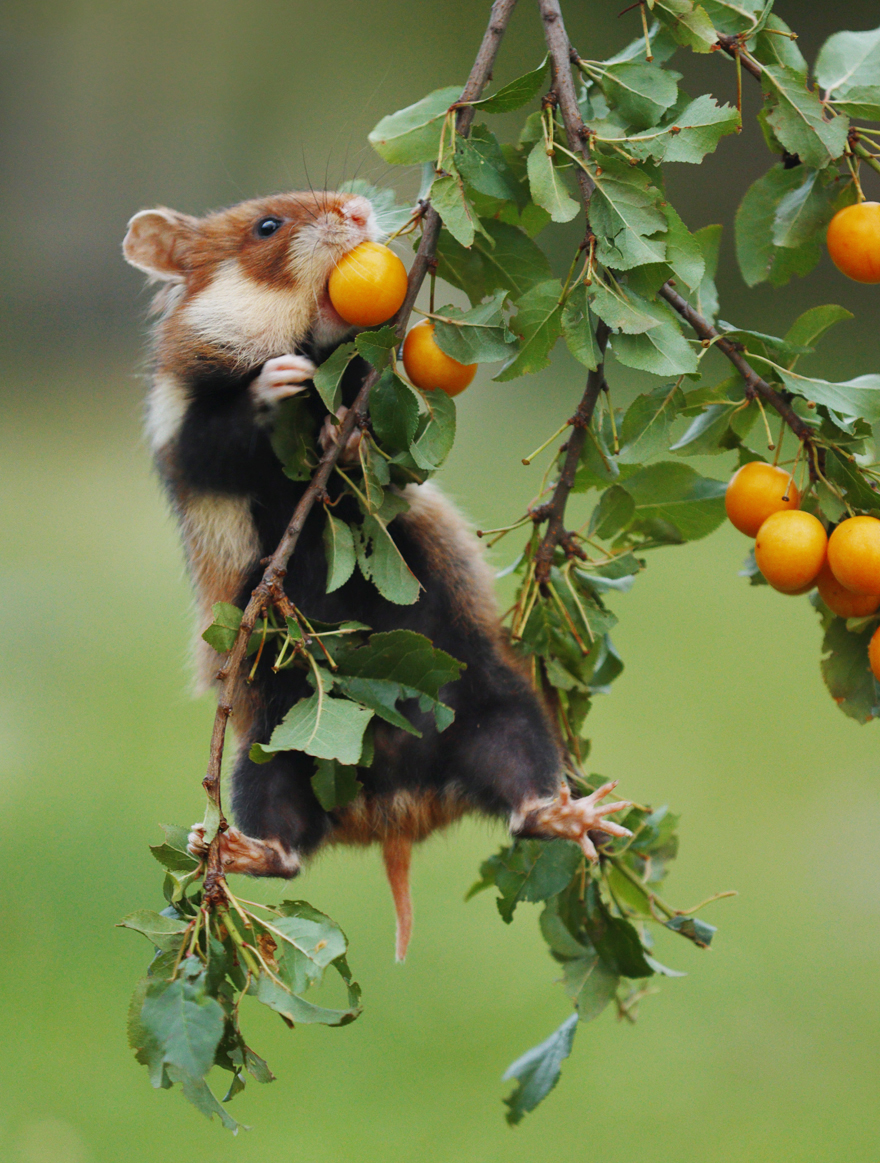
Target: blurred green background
[767,1050]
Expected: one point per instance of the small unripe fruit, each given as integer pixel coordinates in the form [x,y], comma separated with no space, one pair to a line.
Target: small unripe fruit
[854,241]
[430,368]
[874,654]
[368,285]
[841,601]
[755,491]
[790,550]
[854,554]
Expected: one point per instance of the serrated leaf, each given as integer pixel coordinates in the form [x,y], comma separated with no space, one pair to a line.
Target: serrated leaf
[706,297]
[705,431]
[394,412]
[688,22]
[548,187]
[538,1070]
[621,309]
[663,350]
[614,512]
[436,431]
[404,657]
[476,336]
[855,398]
[642,92]
[185,1022]
[538,323]
[450,201]
[222,632]
[507,260]
[647,424]
[848,60]
[683,251]
[809,328]
[296,1009]
[163,932]
[796,116]
[481,163]
[759,259]
[862,102]
[376,346]
[339,551]
[702,124]
[335,784]
[323,726]
[730,18]
[197,1091]
[293,437]
[517,93]
[532,870]
[624,213]
[412,135]
[382,563]
[804,212]
[591,984]
[846,671]
[577,327]
[328,378]
[676,494]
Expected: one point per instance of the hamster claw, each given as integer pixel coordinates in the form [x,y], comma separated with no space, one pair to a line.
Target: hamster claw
[329,437]
[283,376]
[240,853]
[573,819]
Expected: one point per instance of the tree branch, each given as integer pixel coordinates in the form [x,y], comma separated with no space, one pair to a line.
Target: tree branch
[755,385]
[560,50]
[732,45]
[270,590]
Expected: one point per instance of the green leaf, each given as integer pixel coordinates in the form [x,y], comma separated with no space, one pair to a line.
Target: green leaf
[409,664]
[648,423]
[307,942]
[548,188]
[339,551]
[730,18]
[477,336]
[538,1070]
[796,116]
[706,297]
[614,512]
[507,260]
[758,258]
[772,49]
[479,160]
[382,563]
[705,432]
[376,346]
[700,932]
[394,412]
[375,474]
[683,251]
[293,438]
[663,350]
[846,671]
[848,60]
[577,327]
[436,432]
[809,328]
[328,377]
[184,1021]
[591,984]
[197,1091]
[381,697]
[296,1009]
[688,22]
[532,870]
[164,932]
[851,481]
[624,211]
[862,102]
[642,92]
[323,726]
[173,854]
[517,93]
[222,632]
[450,201]
[702,125]
[412,135]
[538,323]
[805,211]
[850,398]
[622,309]
[334,784]
[676,495]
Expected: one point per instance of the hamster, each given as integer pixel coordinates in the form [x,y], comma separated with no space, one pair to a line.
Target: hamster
[244,319]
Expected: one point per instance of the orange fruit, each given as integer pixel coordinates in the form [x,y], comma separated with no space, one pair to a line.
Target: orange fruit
[854,554]
[790,550]
[368,285]
[428,367]
[755,491]
[841,601]
[854,241]
[874,653]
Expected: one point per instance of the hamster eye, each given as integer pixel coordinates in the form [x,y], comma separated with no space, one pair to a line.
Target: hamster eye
[267,226]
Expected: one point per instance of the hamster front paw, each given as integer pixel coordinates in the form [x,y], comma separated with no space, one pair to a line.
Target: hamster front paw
[329,436]
[283,376]
[240,853]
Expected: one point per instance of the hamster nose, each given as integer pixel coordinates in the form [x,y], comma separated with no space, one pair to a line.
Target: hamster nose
[358,210]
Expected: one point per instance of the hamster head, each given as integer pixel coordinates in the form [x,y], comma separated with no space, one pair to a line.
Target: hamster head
[250,281]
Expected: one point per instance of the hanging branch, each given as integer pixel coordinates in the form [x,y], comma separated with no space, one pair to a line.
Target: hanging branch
[270,590]
[755,385]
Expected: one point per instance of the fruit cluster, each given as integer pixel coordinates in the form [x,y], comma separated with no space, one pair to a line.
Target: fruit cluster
[794,552]
[366,288]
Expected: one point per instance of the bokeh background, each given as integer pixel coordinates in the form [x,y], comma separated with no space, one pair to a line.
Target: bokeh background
[768,1049]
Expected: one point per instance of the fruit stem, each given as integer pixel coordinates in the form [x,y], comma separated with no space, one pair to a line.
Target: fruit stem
[853,169]
[527,460]
[649,56]
[867,157]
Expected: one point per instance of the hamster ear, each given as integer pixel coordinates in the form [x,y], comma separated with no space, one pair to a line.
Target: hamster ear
[157,242]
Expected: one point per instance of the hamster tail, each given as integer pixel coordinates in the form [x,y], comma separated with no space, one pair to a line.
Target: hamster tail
[397,851]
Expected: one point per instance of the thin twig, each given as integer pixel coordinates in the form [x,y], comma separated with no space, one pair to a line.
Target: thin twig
[270,589]
[560,54]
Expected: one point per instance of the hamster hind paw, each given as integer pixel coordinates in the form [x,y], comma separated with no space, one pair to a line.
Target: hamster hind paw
[329,436]
[240,853]
[283,376]
[574,819]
